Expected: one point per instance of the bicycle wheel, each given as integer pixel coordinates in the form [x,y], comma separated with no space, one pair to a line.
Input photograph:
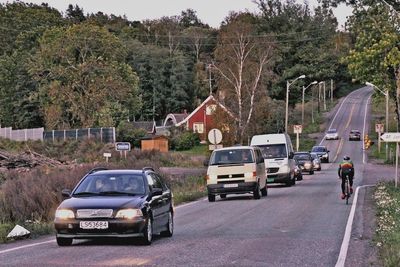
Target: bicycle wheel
[347,190]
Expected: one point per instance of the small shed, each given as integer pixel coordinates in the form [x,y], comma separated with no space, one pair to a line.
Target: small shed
[159,143]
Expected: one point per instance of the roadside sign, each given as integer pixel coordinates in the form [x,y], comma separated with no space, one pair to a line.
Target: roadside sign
[379,128]
[107,155]
[391,137]
[214,136]
[212,147]
[297,128]
[123,146]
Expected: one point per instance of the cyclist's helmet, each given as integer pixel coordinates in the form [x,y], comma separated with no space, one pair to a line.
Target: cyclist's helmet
[346,158]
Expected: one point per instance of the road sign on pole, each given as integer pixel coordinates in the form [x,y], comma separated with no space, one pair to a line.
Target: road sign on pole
[393,137]
[297,129]
[215,137]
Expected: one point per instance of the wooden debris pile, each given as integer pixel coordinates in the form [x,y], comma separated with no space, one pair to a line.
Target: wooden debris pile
[27,159]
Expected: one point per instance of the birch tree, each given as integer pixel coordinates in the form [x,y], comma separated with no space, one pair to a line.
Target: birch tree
[242,61]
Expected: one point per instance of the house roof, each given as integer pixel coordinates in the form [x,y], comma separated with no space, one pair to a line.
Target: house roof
[210,97]
[175,118]
[149,126]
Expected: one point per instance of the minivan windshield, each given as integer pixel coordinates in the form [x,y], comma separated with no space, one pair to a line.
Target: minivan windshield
[273,151]
[231,156]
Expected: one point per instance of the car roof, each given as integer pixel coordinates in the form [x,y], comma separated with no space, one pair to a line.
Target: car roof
[236,147]
[301,152]
[355,130]
[319,146]
[332,130]
[119,171]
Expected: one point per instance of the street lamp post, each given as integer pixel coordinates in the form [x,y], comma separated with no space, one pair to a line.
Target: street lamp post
[302,101]
[287,100]
[386,94]
[324,92]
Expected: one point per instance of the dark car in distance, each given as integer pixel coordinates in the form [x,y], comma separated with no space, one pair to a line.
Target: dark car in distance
[305,161]
[355,135]
[115,203]
[322,152]
[297,171]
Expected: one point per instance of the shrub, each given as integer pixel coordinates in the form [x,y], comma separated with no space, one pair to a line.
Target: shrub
[126,132]
[185,140]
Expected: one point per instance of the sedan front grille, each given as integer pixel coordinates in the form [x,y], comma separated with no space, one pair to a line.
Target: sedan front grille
[94,213]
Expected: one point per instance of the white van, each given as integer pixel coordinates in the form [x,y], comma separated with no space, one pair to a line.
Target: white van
[277,151]
[236,170]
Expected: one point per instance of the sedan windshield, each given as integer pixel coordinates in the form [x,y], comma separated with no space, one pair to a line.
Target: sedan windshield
[111,184]
[332,131]
[318,149]
[302,156]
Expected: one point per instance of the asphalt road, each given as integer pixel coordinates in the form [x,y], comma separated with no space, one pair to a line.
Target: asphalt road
[302,225]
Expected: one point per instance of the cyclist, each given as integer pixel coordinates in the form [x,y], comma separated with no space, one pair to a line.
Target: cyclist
[346,167]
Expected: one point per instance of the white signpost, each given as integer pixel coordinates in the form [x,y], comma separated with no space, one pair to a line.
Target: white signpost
[123,146]
[297,129]
[379,129]
[215,137]
[107,155]
[395,138]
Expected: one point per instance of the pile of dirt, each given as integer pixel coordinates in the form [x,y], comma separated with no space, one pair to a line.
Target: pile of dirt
[28,159]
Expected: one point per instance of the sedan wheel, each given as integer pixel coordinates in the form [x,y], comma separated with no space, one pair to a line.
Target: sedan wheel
[264,191]
[170,225]
[211,198]
[148,232]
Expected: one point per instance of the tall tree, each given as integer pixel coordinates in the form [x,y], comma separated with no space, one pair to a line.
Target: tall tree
[376,54]
[243,59]
[83,80]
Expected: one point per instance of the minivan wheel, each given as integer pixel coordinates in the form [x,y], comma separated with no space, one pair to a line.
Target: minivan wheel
[257,192]
[311,172]
[211,198]
[264,191]
[223,196]
[64,242]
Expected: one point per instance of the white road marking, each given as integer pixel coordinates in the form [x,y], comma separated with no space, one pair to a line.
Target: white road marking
[365,122]
[337,112]
[26,246]
[346,239]
[190,203]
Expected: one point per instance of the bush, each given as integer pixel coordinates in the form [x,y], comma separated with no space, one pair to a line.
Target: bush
[185,140]
[126,132]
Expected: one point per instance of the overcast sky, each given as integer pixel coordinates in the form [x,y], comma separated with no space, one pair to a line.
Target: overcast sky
[211,12]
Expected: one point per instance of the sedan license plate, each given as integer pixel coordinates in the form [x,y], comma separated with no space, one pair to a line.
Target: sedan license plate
[230,185]
[93,225]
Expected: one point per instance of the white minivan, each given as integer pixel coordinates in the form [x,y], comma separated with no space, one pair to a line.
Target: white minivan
[236,170]
[277,151]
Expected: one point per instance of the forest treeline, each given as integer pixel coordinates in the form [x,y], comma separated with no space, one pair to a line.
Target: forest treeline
[62,70]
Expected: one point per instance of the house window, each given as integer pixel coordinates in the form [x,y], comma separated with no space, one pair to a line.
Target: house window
[198,127]
[210,109]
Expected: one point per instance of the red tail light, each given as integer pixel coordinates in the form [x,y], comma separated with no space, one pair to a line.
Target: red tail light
[254,174]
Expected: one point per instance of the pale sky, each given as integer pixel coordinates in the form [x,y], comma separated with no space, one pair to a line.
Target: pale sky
[211,12]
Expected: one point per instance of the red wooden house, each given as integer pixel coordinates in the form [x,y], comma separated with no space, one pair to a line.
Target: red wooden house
[205,117]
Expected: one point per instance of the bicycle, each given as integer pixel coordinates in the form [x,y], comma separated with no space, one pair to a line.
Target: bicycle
[347,192]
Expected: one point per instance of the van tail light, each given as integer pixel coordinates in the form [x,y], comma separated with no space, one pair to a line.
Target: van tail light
[254,174]
[207,177]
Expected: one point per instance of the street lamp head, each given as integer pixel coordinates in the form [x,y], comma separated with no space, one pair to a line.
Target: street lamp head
[369,84]
[321,82]
[314,82]
[302,76]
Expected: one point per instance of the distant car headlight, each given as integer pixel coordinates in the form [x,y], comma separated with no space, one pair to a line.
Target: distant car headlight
[128,213]
[307,165]
[65,214]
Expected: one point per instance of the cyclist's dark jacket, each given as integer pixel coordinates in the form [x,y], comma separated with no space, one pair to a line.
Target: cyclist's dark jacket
[346,167]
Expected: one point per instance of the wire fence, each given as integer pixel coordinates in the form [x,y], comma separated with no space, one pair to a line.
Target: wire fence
[105,135]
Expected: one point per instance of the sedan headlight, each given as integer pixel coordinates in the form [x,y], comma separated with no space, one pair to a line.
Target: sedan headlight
[307,164]
[128,213]
[65,214]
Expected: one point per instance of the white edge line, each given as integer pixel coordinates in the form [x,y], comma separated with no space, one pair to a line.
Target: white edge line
[346,239]
[53,240]
[26,246]
[365,121]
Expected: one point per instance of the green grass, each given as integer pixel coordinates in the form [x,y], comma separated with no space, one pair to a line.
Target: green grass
[387,234]
[196,150]
[190,189]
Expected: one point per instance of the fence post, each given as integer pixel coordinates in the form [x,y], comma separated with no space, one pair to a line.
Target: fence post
[65,137]
[101,134]
[88,133]
[113,134]
[26,134]
[76,134]
[53,135]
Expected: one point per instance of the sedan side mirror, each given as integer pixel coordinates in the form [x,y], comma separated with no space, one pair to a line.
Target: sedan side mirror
[156,192]
[291,155]
[328,151]
[205,163]
[66,193]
